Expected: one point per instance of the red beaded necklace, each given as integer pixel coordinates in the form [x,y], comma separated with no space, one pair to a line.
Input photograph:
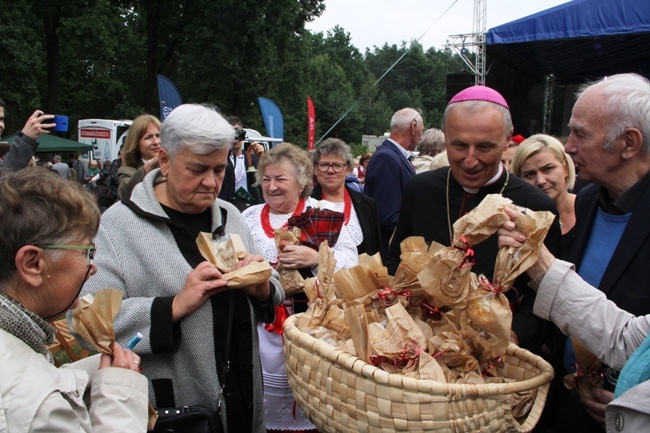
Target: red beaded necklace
[347,206]
[266,222]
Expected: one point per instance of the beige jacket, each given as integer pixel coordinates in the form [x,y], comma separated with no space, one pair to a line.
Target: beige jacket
[607,331]
[422,163]
[35,396]
[124,176]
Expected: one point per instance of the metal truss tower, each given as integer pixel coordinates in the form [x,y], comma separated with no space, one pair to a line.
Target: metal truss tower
[476,40]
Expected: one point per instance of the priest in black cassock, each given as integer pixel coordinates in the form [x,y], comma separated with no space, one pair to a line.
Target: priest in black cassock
[477,126]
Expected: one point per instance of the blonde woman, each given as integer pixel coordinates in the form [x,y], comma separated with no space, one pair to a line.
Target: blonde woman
[140,153]
[541,161]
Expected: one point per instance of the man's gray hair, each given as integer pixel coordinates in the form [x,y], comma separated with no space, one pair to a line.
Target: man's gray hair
[477,105]
[628,106]
[403,118]
[56,159]
[199,128]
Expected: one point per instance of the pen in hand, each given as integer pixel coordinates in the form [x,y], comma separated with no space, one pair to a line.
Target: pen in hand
[134,340]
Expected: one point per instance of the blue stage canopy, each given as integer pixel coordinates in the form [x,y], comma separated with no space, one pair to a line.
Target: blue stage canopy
[573,43]
[576,19]
[576,41]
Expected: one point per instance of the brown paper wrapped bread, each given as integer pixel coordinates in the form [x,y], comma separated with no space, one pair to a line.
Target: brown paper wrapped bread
[226,254]
[489,309]
[93,317]
[512,262]
[291,280]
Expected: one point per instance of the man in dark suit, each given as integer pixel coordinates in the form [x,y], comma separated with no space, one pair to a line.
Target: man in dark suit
[610,145]
[390,168]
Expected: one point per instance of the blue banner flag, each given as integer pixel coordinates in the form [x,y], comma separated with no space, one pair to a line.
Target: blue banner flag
[272,118]
[169,96]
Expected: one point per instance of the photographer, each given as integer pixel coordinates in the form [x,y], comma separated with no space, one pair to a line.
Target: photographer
[239,185]
[25,143]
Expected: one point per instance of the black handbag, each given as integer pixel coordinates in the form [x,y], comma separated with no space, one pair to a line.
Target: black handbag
[187,419]
[197,419]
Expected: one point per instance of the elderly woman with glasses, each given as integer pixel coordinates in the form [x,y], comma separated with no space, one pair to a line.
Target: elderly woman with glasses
[285,173]
[333,161]
[47,256]
[179,301]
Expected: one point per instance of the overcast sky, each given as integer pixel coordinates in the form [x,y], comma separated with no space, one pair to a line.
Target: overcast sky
[374,22]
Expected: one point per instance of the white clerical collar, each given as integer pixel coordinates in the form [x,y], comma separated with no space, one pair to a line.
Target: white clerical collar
[489,182]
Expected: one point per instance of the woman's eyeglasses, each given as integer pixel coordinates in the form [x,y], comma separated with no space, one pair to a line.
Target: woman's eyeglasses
[90,249]
[324,166]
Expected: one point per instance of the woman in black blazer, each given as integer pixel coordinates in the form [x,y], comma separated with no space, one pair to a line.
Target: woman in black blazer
[333,161]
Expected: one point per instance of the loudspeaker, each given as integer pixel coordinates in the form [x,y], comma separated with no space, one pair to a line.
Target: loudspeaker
[458,81]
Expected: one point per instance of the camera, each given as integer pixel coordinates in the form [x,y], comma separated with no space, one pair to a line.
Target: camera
[240,134]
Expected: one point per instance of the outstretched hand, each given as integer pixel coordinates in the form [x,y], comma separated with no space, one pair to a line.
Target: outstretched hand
[36,124]
[509,236]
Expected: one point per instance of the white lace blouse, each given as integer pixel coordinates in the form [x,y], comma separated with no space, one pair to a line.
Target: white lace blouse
[345,250]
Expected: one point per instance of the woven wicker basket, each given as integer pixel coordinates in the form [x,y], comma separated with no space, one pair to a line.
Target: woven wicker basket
[341,393]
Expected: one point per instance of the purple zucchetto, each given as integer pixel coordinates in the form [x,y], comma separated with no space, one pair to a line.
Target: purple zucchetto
[480,93]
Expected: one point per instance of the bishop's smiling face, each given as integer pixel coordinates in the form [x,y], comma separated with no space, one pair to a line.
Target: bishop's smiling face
[475,141]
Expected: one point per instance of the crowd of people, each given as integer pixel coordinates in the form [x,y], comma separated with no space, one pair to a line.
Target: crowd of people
[210,344]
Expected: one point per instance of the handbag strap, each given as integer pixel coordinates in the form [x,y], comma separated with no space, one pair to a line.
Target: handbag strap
[226,364]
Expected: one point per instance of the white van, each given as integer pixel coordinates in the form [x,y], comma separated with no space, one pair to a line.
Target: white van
[105,135]
[253,136]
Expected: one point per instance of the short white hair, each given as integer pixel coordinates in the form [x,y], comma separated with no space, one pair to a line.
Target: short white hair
[628,105]
[199,128]
[402,118]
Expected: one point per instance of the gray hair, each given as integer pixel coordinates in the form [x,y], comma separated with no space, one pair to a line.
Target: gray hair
[56,159]
[432,142]
[30,216]
[628,106]
[299,159]
[199,128]
[336,147]
[477,105]
[402,119]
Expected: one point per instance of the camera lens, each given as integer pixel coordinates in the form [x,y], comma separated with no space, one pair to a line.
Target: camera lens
[240,134]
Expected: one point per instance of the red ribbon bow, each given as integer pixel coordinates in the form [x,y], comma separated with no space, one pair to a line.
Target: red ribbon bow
[487,285]
[403,360]
[281,314]
[434,312]
[485,371]
[387,296]
[469,259]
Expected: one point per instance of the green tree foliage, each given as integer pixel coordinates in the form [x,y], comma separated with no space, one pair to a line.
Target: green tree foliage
[100,58]
[22,69]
